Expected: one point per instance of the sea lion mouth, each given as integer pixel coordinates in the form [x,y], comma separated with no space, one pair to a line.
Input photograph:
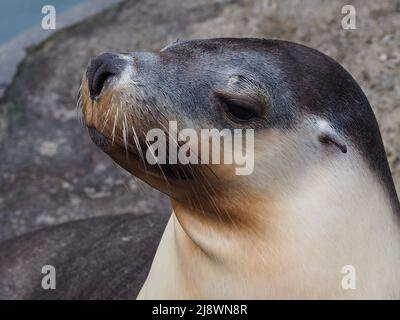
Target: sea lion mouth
[172,172]
[98,138]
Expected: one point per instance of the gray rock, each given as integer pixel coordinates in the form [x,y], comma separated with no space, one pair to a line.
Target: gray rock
[96,258]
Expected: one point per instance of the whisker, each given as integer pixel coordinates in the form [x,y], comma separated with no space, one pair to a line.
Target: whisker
[162,171]
[115,125]
[124,124]
[106,118]
[138,147]
[78,109]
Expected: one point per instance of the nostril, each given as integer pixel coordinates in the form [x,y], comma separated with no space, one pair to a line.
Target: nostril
[100,69]
[99,78]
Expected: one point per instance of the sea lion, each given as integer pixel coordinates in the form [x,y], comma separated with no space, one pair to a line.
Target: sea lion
[321,196]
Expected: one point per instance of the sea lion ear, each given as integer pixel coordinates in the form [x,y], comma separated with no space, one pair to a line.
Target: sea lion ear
[327,134]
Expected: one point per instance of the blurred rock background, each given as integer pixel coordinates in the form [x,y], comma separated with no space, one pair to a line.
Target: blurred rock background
[50,172]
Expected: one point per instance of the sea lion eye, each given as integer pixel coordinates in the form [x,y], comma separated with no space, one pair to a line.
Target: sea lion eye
[238,108]
[239,111]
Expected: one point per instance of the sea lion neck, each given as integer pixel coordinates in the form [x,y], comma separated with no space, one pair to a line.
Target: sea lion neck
[218,234]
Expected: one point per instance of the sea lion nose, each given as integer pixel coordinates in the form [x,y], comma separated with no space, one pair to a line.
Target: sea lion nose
[102,68]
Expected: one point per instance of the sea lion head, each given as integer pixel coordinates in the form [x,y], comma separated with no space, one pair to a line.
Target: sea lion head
[303,108]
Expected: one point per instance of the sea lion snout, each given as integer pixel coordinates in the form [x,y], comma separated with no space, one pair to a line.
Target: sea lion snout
[101,69]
